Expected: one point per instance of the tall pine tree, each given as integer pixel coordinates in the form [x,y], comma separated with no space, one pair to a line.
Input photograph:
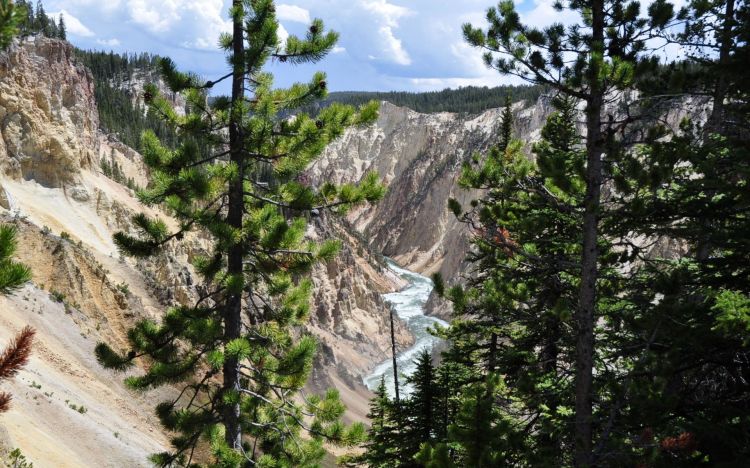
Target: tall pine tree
[685,337]
[238,353]
[589,62]
[420,410]
[383,447]
[512,318]
[62,30]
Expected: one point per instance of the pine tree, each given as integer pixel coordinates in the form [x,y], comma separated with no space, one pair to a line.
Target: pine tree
[238,353]
[693,190]
[12,16]
[487,436]
[15,357]
[420,410]
[510,317]
[40,17]
[383,438]
[13,275]
[587,62]
[62,31]
[28,23]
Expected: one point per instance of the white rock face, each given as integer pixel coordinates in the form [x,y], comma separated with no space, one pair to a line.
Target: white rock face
[48,118]
[140,78]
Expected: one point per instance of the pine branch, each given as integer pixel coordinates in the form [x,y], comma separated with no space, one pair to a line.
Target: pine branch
[17,354]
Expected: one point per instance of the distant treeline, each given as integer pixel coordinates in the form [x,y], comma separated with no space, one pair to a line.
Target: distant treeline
[114,67]
[119,111]
[467,100]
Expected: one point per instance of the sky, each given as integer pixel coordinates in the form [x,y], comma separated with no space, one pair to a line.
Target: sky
[385,45]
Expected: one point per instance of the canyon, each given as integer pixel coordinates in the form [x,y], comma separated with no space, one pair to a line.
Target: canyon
[67,410]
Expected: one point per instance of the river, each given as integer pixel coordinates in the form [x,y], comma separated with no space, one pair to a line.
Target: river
[409,306]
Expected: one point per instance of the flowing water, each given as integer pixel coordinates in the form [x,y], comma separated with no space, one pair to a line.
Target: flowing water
[409,306]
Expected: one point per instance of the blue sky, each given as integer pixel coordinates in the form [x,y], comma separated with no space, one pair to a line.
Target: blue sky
[409,45]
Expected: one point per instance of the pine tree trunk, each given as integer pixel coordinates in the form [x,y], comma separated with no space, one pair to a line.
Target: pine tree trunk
[492,359]
[233,306]
[716,119]
[722,83]
[395,364]
[586,314]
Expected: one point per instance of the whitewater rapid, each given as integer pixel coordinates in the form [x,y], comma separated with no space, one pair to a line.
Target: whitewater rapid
[409,306]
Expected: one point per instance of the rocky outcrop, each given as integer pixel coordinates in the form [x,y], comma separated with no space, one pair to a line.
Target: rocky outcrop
[134,83]
[48,118]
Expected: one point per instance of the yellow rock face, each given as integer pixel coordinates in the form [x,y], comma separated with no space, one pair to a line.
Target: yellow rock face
[48,118]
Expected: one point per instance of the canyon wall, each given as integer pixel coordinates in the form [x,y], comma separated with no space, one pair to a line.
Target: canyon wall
[419,157]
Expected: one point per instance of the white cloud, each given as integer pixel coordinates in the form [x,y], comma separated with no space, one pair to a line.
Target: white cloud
[292,13]
[338,50]
[107,6]
[387,15]
[157,17]
[282,34]
[108,42]
[388,11]
[204,20]
[544,14]
[73,24]
[393,47]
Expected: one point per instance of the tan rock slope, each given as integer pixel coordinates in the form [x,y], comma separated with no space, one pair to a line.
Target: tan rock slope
[67,410]
[420,157]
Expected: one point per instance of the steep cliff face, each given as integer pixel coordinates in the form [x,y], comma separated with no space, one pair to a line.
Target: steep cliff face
[49,131]
[419,157]
[68,411]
